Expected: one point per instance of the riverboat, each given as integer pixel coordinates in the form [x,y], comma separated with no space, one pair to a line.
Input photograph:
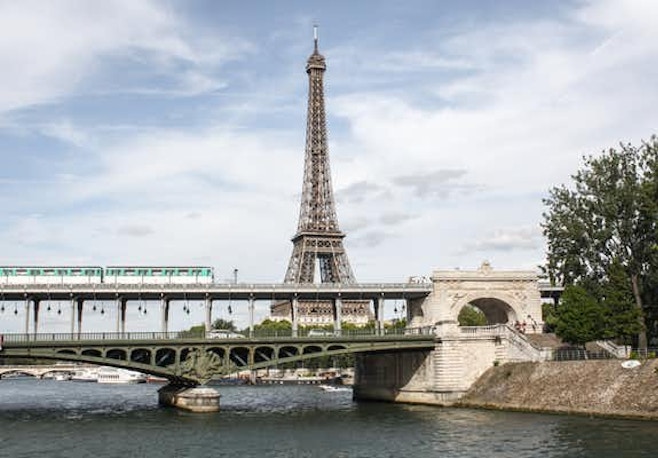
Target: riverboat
[114,375]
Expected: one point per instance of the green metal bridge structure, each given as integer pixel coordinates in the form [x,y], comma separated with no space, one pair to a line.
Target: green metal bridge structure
[188,361]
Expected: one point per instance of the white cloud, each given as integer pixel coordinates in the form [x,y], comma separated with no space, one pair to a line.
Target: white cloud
[47,49]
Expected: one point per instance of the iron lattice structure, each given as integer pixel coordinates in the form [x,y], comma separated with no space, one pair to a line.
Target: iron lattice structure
[318,238]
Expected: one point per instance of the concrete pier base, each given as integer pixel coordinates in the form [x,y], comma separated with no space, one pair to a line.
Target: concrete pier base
[197,399]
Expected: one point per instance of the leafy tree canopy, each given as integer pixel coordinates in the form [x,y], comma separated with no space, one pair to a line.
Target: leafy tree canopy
[605,225]
[471,316]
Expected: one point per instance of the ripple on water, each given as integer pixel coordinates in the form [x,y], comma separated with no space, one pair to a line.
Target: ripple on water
[66,419]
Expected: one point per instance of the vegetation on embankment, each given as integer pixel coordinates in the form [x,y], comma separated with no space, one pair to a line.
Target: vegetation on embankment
[600,388]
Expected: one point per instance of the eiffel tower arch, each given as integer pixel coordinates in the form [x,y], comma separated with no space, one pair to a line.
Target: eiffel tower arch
[318,243]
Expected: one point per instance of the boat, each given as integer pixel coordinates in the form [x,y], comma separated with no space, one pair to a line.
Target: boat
[119,376]
[88,374]
[333,388]
[62,376]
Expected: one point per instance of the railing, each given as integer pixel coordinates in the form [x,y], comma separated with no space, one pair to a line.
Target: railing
[361,334]
[518,340]
[225,286]
[618,351]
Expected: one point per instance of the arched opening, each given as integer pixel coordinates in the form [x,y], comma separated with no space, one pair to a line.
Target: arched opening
[263,354]
[141,355]
[116,353]
[239,356]
[486,311]
[92,352]
[165,357]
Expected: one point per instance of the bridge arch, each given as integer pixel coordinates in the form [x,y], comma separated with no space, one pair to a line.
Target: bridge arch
[498,307]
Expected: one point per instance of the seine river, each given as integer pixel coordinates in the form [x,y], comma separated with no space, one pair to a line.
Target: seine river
[45,418]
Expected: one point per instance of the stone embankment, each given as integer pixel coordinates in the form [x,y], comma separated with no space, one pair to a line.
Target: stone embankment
[598,388]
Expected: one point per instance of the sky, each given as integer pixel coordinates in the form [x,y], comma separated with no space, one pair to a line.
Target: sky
[172,132]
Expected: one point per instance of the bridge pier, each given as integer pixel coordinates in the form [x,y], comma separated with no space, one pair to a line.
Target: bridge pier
[200,399]
[164,311]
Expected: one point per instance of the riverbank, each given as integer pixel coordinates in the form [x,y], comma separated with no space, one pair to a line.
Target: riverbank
[596,388]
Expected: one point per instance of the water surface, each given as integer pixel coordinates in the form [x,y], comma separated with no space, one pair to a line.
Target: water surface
[48,418]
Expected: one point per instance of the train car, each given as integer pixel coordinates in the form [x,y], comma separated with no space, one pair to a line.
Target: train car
[158,275]
[49,275]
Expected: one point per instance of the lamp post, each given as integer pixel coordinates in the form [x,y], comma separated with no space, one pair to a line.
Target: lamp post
[235,276]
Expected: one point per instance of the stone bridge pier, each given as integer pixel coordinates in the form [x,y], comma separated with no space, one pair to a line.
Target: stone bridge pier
[511,303]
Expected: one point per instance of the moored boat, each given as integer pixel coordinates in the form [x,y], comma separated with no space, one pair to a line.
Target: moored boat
[119,376]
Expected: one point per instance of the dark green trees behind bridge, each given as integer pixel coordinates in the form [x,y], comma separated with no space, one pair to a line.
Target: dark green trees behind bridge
[602,235]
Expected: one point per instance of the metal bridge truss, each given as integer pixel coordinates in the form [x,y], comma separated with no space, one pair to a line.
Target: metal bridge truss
[192,361]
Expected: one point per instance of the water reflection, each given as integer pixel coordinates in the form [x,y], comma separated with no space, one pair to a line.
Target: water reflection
[48,418]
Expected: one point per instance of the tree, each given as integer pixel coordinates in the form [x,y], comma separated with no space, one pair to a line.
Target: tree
[610,215]
[580,318]
[220,323]
[471,316]
[195,331]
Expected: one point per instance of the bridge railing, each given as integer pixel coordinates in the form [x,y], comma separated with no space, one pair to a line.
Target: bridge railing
[180,335]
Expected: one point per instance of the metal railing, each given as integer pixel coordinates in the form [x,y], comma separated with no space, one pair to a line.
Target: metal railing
[360,334]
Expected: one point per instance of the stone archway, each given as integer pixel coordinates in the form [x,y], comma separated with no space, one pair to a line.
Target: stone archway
[494,309]
[504,296]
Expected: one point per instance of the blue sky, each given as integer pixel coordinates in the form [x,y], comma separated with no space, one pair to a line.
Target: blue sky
[172,132]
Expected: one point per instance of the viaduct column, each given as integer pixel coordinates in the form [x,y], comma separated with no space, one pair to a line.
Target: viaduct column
[37,303]
[80,303]
[379,315]
[295,316]
[164,314]
[27,315]
[73,303]
[251,316]
[338,314]
[208,303]
[122,302]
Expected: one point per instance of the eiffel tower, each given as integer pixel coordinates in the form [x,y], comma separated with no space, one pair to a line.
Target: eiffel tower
[319,241]
[318,238]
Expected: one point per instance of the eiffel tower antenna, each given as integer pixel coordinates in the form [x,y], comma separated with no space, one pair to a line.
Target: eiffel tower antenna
[318,238]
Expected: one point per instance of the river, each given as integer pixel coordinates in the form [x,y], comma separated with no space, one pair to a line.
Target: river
[47,418]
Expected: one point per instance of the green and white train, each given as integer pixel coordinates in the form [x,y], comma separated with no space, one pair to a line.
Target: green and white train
[120,275]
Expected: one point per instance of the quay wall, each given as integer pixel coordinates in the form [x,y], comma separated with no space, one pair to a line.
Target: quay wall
[595,388]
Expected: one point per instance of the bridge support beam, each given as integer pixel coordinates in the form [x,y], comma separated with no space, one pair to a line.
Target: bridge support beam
[27,315]
[295,316]
[73,305]
[121,315]
[164,314]
[208,305]
[251,316]
[379,315]
[338,314]
[36,305]
[80,303]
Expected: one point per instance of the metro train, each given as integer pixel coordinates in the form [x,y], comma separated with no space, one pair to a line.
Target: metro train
[120,275]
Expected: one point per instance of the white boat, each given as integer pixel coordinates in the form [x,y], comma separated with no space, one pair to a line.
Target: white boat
[334,388]
[89,374]
[62,376]
[119,376]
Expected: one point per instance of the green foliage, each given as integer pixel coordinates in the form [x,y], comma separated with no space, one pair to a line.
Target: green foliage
[396,324]
[606,225]
[471,316]
[220,323]
[549,315]
[580,317]
[194,332]
[273,326]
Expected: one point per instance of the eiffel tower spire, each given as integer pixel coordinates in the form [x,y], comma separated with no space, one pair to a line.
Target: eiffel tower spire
[318,238]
